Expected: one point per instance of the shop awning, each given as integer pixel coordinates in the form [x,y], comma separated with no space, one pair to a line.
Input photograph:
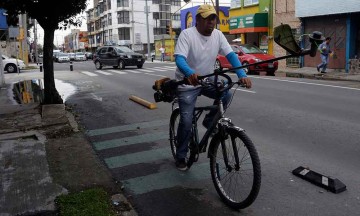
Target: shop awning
[257,22]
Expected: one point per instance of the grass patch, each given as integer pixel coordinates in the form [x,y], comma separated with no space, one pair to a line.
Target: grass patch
[30,67]
[86,203]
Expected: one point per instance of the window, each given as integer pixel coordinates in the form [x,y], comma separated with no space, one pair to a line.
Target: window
[176,17]
[103,50]
[108,4]
[250,2]
[164,15]
[109,19]
[104,21]
[124,33]
[176,2]
[123,17]
[164,8]
[155,1]
[156,15]
[122,3]
[164,22]
[235,4]
[110,34]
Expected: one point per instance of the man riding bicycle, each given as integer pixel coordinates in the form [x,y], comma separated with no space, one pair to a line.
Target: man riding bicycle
[195,54]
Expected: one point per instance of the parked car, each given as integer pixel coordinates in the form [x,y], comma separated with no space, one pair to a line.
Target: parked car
[89,55]
[71,56]
[249,54]
[12,65]
[62,57]
[117,57]
[79,56]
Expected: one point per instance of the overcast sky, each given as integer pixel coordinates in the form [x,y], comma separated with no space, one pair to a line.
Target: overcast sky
[59,35]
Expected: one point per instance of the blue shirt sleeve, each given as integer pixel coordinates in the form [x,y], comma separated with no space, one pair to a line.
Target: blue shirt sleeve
[235,62]
[183,65]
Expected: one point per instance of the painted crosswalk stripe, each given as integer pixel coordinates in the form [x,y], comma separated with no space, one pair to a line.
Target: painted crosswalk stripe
[118,72]
[103,72]
[155,75]
[133,71]
[144,70]
[159,69]
[169,67]
[130,140]
[138,157]
[88,73]
[129,127]
[168,179]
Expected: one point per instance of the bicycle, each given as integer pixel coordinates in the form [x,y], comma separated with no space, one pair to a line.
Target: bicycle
[232,154]
[231,151]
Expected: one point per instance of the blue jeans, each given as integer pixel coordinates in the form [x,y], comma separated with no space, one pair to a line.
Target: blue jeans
[162,56]
[187,101]
[324,62]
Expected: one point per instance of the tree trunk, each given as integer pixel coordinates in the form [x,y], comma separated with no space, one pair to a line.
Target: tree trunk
[51,95]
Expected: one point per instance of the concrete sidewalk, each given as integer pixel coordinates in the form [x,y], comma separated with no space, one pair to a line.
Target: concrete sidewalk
[37,143]
[311,73]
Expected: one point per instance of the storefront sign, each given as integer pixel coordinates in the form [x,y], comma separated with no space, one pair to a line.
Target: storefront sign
[250,23]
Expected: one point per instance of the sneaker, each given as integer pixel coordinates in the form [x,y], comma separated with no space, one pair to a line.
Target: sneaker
[181,164]
[323,72]
[318,69]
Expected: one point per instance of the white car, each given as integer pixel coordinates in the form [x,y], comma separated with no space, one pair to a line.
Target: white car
[63,57]
[79,56]
[12,65]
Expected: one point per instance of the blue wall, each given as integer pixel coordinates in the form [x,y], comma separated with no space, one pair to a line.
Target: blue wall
[3,23]
[192,10]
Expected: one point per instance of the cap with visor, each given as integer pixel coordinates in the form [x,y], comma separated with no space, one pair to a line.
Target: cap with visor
[206,10]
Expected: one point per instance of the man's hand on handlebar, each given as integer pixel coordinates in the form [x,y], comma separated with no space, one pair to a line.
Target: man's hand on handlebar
[246,81]
[193,79]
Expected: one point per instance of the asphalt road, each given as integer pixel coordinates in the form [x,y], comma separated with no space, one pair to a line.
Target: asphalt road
[293,122]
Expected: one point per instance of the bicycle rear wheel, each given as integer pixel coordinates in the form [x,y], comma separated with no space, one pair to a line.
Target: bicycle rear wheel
[192,155]
[173,127]
[238,186]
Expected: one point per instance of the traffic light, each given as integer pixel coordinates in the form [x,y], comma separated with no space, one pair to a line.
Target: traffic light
[168,29]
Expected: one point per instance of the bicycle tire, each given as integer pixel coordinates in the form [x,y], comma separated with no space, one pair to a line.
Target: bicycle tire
[248,174]
[174,122]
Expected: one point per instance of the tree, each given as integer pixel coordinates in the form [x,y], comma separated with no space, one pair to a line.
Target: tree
[50,15]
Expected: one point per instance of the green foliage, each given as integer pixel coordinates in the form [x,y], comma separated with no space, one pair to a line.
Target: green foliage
[49,14]
[86,203]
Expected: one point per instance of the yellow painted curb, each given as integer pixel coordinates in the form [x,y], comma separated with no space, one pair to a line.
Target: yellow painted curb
[143,102]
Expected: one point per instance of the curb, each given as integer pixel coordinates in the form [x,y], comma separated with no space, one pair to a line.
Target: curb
[318,77]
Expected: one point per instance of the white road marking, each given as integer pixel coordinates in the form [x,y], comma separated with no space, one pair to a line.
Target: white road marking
[103,72]
[244,90]
[96,97]
[306,83]
[88,73]
[133,71]
[155,75]
[144,70]
[118,72]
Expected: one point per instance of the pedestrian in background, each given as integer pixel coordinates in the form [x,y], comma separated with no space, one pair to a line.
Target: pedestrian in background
[324,55]
[162,50]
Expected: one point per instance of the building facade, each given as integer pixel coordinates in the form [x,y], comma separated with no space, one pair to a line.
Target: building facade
[336,19]
[76,41]
[284,12]
[130,23]
[251,21]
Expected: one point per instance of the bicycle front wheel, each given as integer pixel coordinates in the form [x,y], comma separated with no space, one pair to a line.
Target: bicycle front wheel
[235,168]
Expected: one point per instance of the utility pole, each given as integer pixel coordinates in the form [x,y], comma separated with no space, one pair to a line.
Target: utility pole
[103,34]
[147,29]
[35,42]
[132,24]
[2,78]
